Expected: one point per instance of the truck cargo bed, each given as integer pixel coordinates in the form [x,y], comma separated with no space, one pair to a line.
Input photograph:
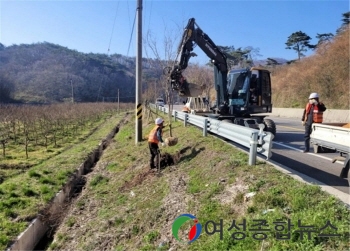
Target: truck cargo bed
[331,135]
[334,136]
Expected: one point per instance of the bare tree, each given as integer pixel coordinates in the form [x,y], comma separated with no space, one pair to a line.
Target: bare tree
[161,56]
[4,134]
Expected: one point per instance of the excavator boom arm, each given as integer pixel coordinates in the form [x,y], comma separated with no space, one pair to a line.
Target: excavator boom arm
[192,36]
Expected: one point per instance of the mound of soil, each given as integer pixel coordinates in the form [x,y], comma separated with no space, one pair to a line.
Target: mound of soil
[167,159]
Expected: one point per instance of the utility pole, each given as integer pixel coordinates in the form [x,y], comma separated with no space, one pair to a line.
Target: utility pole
[138,117]
[118,102]
[71,83]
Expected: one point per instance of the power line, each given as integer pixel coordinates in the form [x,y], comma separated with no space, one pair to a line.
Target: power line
[132,31]
[115,18]
[150,14]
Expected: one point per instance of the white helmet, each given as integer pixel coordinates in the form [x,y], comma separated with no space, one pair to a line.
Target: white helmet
[159,121]
[313,95]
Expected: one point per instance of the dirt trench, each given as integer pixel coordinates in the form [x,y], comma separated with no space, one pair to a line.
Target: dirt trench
[54,212]
[53,216]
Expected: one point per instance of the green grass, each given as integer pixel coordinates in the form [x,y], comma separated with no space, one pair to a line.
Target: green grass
[210,182]
[24,193]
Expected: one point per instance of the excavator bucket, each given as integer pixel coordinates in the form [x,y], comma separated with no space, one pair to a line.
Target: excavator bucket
[191,90]
[179,83]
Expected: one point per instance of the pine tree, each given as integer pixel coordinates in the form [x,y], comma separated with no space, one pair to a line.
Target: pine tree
[300,42]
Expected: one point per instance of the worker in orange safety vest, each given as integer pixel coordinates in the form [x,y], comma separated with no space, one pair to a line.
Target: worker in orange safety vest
[154,137]
[313,113]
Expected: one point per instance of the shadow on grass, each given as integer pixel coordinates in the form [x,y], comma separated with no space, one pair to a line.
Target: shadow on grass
[192,154]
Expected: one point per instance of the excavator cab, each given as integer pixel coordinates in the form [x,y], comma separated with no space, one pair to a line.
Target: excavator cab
[249,91]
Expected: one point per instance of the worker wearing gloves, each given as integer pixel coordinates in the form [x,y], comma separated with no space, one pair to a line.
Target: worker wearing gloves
[313,113]
[155,136]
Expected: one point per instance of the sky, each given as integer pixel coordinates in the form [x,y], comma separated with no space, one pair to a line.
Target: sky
[109,27]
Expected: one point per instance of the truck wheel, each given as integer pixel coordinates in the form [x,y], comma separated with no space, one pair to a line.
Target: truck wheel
[270,126]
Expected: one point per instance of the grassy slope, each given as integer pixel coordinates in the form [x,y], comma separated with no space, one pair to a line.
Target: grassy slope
[126,207]
[29,190]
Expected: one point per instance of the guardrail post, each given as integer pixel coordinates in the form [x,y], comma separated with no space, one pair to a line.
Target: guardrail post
[185,119]
[205,127]
[175,114]
[253,148]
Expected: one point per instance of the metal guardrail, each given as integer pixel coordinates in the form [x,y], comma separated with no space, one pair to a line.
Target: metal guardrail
[257,141]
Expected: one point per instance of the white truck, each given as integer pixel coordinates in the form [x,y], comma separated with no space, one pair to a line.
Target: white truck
[336,137]
[196,105]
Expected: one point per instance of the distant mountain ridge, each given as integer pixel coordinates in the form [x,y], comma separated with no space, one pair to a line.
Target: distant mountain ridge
[49,73]
[46,73]
[265,62]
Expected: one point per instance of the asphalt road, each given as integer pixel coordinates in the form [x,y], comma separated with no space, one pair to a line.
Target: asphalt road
[287,150]
[287,153]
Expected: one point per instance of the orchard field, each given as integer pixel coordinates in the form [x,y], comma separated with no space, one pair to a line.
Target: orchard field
[41,146]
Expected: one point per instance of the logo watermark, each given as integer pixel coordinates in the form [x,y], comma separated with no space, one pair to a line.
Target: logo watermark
[257,229]
[195,230]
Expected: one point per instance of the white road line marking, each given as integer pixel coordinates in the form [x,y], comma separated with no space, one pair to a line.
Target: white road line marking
[317,155]
[289,127]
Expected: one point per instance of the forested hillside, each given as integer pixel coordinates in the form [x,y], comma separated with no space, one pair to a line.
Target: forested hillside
[326,72]
[48,73]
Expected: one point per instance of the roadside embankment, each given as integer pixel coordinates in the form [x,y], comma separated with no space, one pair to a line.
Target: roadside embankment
[126,206]
[330,115]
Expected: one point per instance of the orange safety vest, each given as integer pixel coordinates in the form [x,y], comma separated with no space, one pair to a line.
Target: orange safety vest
[152,137]
[317,116]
